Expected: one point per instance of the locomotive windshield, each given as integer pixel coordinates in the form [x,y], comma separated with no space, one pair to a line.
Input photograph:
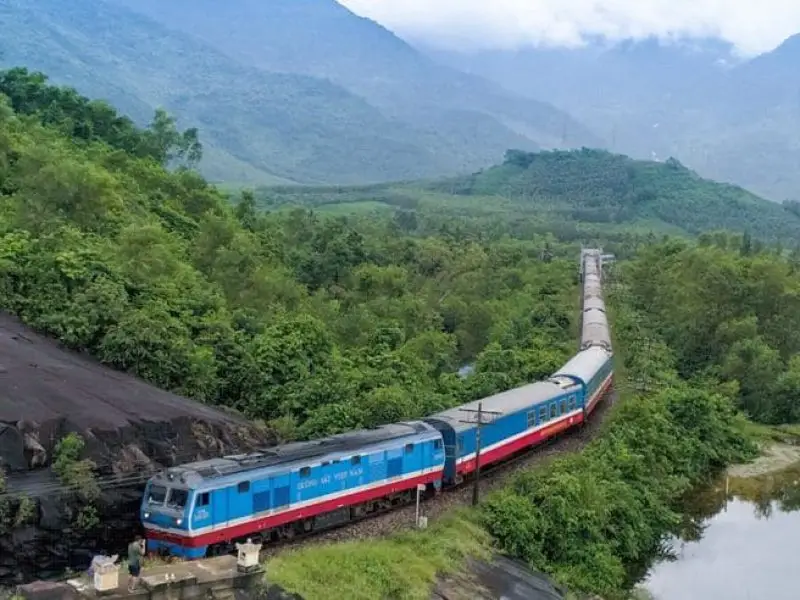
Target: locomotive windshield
[157,494]
[177,498]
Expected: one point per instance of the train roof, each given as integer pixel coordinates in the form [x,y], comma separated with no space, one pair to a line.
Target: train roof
[345,443]
[584,364]
[507,402]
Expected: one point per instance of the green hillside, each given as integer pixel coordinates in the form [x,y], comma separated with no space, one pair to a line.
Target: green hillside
[577,195]
[595,186]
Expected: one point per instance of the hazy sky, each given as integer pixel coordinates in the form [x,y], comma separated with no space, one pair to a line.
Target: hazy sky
[753,26]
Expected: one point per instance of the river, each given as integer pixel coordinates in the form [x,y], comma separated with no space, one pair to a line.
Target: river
[740,541]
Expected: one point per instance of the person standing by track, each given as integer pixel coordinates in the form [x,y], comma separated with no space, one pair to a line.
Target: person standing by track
[135,552]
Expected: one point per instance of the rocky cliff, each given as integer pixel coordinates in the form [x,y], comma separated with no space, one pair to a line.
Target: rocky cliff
[131,429]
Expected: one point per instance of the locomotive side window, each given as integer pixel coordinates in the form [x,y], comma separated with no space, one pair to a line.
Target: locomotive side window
[356,460]
[305,471]
[437,444]
[243,487]
[203,499]
[409,448]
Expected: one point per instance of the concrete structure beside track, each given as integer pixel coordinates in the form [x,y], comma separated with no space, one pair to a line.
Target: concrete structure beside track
[216,578]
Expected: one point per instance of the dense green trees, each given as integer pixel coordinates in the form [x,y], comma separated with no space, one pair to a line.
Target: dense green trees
[92,120]
[731,311]
[318,324]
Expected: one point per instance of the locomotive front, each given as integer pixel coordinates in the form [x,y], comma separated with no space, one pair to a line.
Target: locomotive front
[165,513]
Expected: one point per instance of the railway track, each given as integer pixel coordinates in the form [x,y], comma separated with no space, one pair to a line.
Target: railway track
[401,517]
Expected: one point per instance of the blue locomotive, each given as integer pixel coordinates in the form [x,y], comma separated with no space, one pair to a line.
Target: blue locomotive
[289,489]
[204,507]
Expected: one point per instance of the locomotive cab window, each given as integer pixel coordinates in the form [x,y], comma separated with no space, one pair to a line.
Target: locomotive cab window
[356,460]
[437,444]
[243,487]
[203,499]
[177,498]
[409,448]
[305,471]
[157,494]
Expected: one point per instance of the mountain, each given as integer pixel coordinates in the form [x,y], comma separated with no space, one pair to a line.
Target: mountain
[322,38]
[729,119]
[276,120]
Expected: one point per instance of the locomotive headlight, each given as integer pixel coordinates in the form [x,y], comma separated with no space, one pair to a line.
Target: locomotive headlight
[178,521]
[147,515]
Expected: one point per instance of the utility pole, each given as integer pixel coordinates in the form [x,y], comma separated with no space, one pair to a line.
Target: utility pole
[479,414]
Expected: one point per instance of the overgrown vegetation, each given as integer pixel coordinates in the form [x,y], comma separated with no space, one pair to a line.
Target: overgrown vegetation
[15,510]
[78,480]
[402,567]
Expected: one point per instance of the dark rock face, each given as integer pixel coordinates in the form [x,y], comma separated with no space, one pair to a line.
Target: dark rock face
[502,578]
[12,449]
[131,430]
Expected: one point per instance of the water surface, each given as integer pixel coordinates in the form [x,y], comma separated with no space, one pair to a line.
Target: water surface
[739,545]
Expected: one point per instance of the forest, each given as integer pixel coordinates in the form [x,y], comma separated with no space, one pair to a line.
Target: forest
[312,324]
[317,321]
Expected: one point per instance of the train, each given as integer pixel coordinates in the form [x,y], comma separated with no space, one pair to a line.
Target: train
[203,508]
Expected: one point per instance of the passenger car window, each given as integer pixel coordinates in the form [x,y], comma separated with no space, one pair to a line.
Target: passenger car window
[542,414]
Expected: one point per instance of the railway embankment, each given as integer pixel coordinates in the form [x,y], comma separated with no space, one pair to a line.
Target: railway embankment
[129,428]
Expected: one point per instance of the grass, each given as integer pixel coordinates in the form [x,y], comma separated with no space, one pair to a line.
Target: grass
[402,567]
[772,433]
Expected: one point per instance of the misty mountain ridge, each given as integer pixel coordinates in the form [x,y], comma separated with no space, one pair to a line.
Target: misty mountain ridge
[283,90]
[730,118]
